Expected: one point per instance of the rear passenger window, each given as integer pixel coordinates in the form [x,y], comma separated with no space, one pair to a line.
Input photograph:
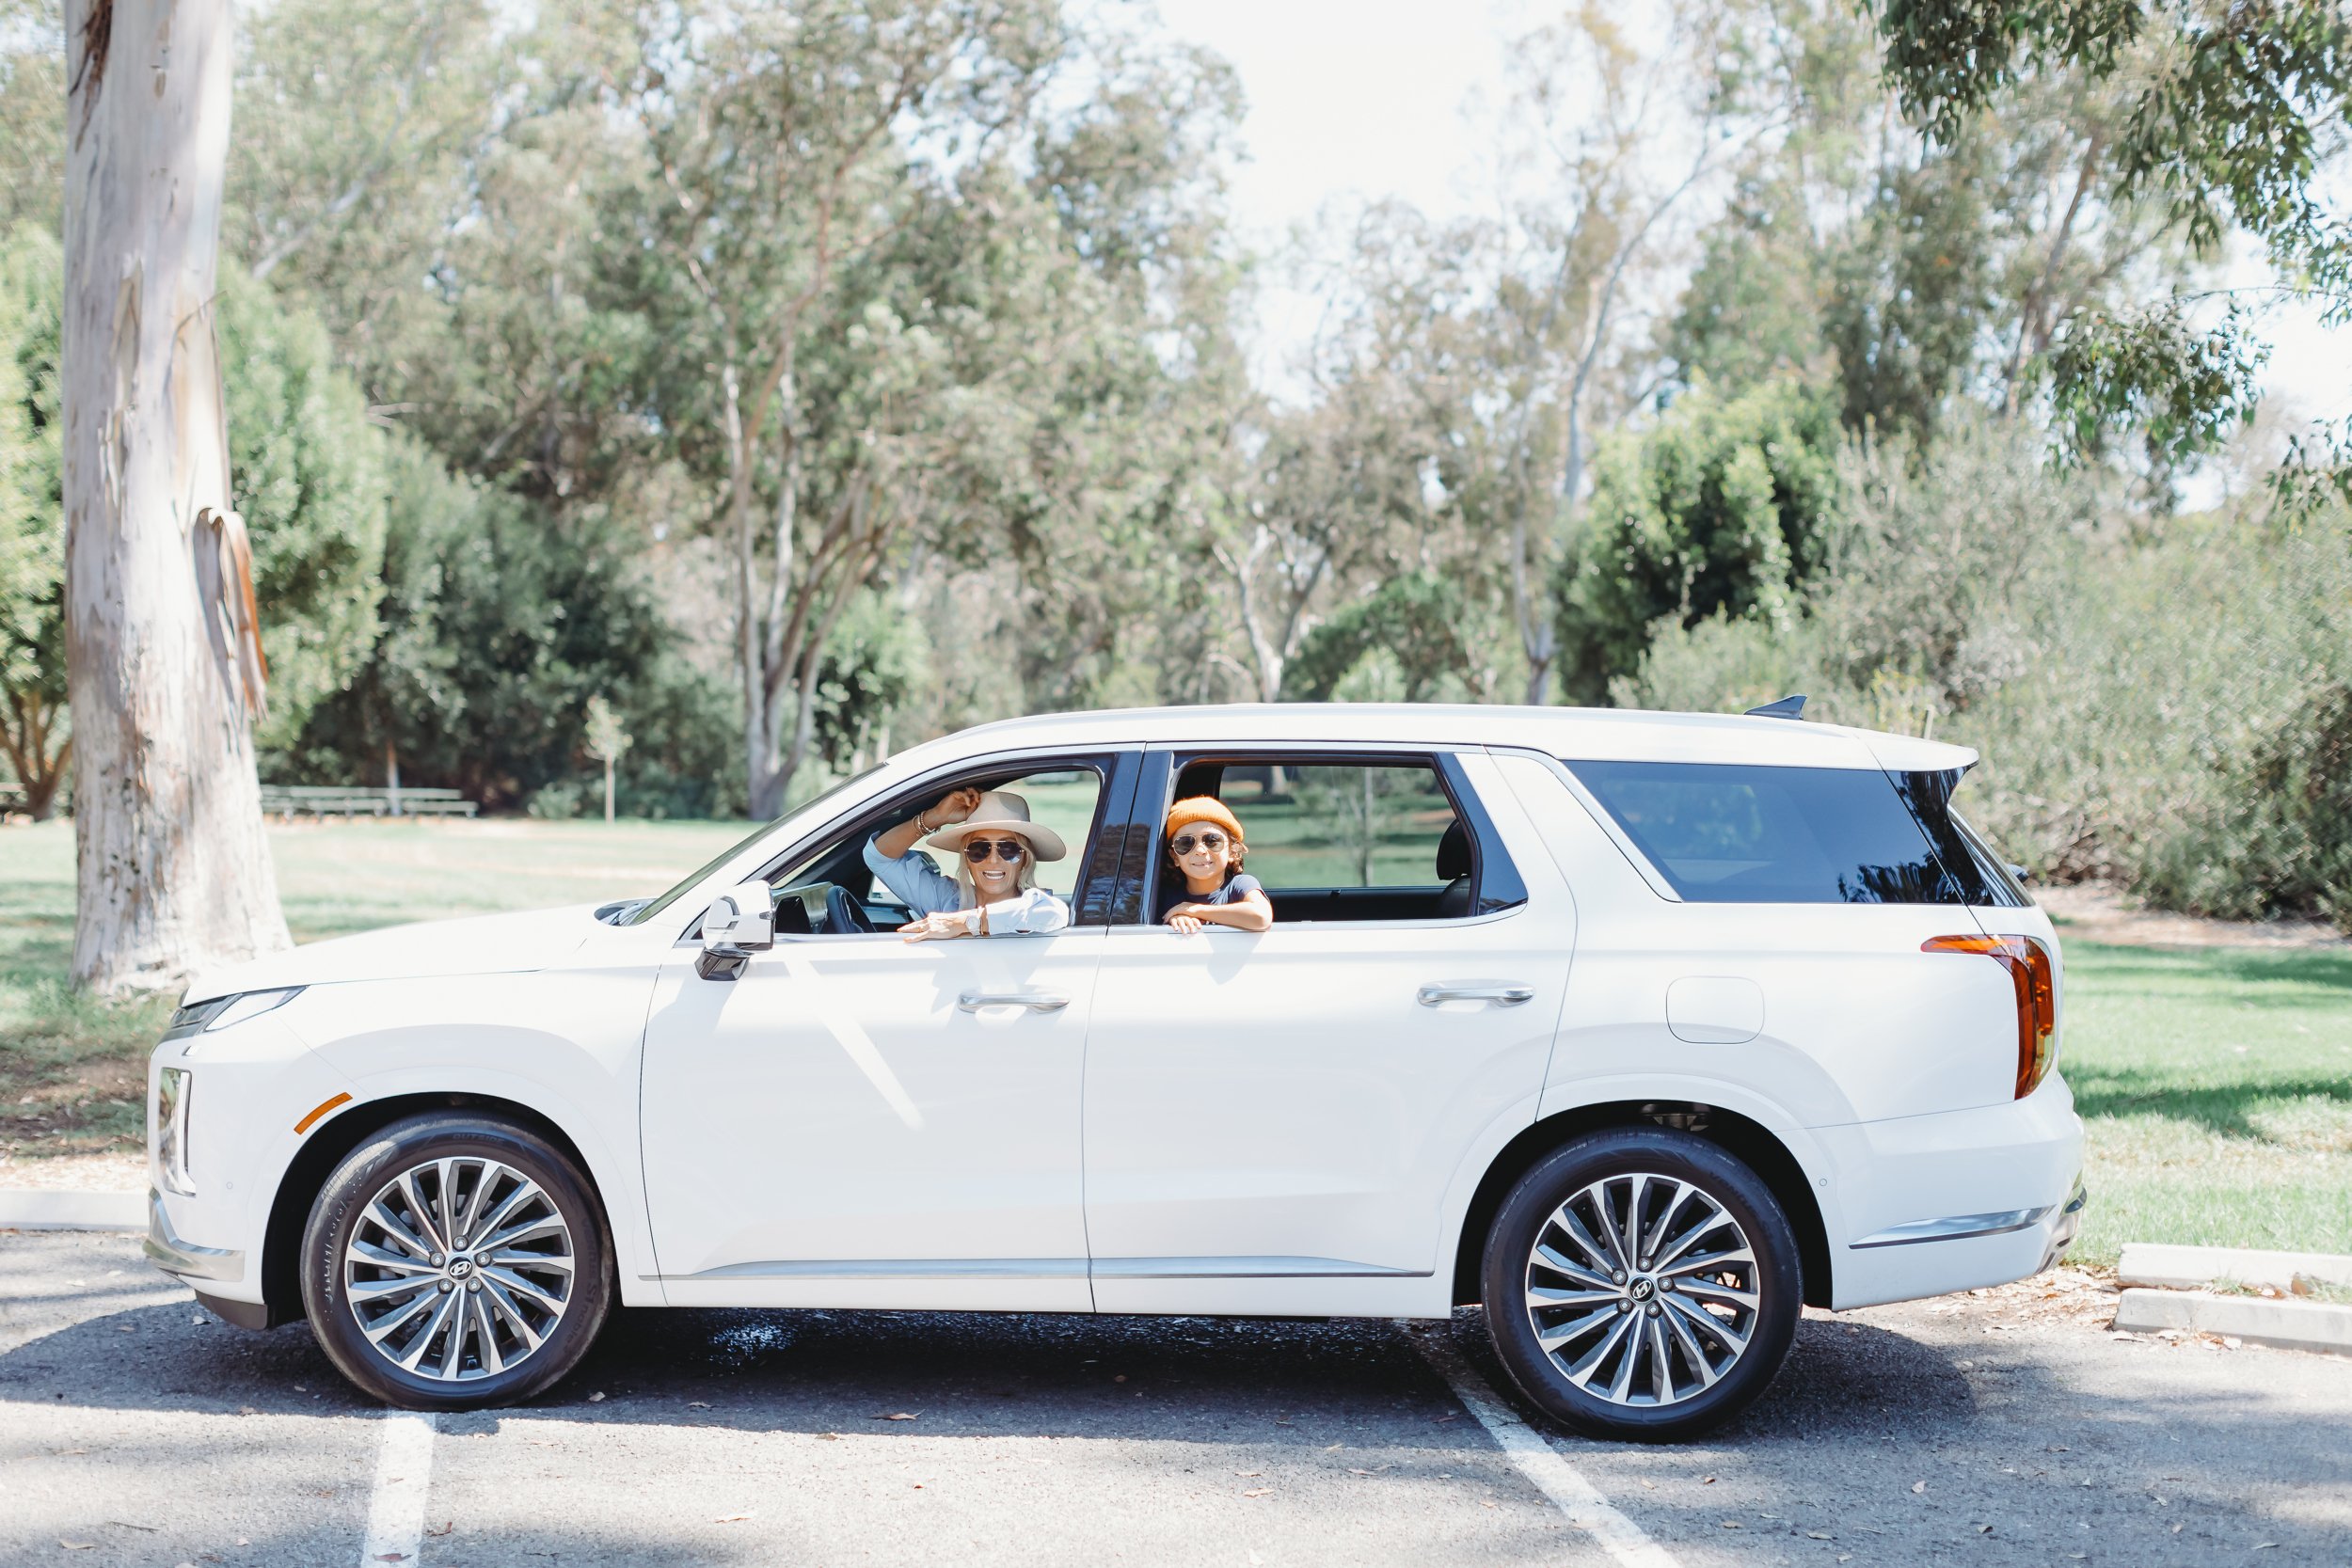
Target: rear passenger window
[1730,834]
[1347,841]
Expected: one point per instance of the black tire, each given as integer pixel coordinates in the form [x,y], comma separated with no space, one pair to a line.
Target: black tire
[1594,1303]
[477,1145]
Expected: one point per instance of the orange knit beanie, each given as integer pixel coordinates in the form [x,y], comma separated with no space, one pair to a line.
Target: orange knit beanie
[1202,808]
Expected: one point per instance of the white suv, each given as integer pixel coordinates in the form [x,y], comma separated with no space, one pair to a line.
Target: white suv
[1641,1029]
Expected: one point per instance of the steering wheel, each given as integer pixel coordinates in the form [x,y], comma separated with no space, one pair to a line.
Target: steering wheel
[844,913]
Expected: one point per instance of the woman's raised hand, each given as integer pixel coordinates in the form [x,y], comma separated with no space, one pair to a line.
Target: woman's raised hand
[955,806]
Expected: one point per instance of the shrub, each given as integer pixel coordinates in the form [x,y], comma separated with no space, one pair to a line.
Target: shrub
[2169,707]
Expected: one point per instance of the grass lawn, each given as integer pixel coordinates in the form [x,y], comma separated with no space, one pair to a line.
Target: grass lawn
[2216,1084]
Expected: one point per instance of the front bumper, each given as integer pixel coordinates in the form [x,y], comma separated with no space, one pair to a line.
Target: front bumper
[185,1260]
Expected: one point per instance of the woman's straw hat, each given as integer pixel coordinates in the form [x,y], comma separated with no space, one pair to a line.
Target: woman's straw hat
[1002,811]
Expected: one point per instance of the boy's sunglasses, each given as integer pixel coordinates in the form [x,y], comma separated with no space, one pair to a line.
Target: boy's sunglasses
[977,850]
[1183,843]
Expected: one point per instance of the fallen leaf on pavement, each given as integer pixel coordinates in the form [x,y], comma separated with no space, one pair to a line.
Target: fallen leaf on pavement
[1485,1502]
[597,1397]
[730,1518]
[896,1416]
[697,1404]
[1259,1492]
[79,1545]
[1706,1481]
[1732,1524]
[392,1557]
[1820,1535]
[1248,1475]
[829,1437]
[1919,1486]
[444,1529]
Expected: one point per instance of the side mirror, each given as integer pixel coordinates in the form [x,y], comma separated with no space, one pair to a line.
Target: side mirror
[739,922]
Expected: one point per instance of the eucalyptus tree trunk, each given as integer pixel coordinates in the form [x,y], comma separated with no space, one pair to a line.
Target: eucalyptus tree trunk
[163,658]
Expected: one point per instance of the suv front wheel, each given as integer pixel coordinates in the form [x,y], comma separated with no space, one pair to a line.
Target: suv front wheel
[454,1262]
[1640,1284]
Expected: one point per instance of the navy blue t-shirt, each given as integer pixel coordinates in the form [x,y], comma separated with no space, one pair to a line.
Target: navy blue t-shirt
[1172,892]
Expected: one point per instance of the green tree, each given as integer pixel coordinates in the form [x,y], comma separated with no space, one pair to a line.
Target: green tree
[32,114]
[34,733]
[1727,507]
[794,150]
[497,626]
[307,472]
[2236,108]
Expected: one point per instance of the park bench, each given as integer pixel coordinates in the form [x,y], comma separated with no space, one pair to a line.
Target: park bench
[325,800]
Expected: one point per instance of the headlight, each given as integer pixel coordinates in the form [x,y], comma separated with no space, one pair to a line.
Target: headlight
[171,1130]
[202,1018]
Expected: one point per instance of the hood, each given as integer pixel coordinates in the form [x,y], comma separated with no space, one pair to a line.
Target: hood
[478,944]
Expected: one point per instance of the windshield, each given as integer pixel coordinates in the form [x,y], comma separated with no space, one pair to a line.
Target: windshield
[693,879]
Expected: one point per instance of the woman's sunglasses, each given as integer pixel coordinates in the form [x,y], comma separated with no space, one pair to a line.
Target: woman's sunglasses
[978,849]
[1183,843]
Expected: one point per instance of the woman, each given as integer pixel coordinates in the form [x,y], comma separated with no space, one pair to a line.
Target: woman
[995,890]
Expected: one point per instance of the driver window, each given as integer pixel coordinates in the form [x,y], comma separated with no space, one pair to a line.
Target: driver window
[810,894]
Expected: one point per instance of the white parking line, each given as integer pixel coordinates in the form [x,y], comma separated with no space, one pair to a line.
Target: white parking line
[403,1474]
[1537,1460]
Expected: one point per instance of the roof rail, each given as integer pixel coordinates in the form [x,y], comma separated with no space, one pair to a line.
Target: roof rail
[1788,707]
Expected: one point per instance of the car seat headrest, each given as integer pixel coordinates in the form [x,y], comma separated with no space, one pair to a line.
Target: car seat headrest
[1453,852]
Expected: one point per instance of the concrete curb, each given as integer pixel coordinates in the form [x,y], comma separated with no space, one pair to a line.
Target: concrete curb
[64,1209]
[2186,1268]
[2287,1324]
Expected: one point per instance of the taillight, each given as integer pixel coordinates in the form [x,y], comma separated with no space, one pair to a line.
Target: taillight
[2035,978]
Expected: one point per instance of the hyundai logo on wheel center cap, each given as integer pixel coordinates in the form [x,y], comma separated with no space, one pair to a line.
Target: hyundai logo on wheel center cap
[460,1267]
[1642,1288]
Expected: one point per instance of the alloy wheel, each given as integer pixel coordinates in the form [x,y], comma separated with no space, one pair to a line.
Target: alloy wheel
[459,1269]
[1642,1289]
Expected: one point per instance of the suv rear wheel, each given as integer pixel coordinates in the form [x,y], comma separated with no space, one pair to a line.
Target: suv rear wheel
[1640,1284]
[454,1262]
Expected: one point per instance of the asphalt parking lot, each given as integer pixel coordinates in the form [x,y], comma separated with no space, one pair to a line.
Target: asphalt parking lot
[135,1430]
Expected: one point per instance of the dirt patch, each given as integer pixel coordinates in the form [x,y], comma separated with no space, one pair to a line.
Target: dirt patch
[2094,911]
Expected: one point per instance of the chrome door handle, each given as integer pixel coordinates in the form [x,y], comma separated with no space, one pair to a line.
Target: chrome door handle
[1036,1001]
[1510,997]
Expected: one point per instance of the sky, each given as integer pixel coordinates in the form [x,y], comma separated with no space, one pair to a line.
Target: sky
[1365,99]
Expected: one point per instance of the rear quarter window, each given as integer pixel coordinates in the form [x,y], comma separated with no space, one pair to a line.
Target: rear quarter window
[1725,833]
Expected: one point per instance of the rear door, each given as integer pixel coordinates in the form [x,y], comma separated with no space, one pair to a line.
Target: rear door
[1293,1105]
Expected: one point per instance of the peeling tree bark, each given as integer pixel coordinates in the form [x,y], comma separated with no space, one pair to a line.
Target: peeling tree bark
[162,654]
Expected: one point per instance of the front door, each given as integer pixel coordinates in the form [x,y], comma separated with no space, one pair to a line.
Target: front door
[1264,1110]
[863,1121]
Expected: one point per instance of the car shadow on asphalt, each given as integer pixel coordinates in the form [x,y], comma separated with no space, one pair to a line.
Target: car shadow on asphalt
[1045,1374]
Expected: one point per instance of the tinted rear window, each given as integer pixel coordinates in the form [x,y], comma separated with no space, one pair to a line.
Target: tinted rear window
[1730,834]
